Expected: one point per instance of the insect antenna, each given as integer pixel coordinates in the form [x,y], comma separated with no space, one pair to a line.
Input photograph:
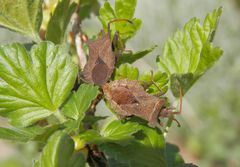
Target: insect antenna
[178,123]
[117,20]
[155,84]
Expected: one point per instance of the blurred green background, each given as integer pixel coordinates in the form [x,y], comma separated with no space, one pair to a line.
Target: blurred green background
[210,132]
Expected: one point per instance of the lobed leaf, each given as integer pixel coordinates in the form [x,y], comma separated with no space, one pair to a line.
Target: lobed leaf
[172,156]
[73,125]
[156,83]
[114,163]
[58,23]
[124,9]
[134,154]
[126,71]
[33,133]
[128,144]
[80,101]
[190,53]
[106,13]
[41,134]
[14,134]
[114,131]
[34,85]
[77,160]
[23,16]
[91,137]
[58,151]
[146,150]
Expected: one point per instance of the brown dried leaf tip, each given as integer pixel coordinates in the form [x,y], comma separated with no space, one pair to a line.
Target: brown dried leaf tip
[128,98]
[101,61]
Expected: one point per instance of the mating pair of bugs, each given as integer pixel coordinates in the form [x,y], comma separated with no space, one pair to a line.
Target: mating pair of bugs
[126,97]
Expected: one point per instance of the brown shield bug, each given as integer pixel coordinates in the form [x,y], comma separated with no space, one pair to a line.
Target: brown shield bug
[102,58]
[128,98]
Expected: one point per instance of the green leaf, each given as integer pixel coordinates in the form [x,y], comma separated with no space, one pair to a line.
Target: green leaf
[155,82]
[23,16]
[58,151]
[128,144]
[33,133]
[190,52]
[134,154]
[178,80]
[34,85]
[58,23]
[116,130]
[114,163]
[80,101]
[91,137]
[78,104]
[36,163]
[153,138]
[71,125]
[14,134]
[124,9]
[113,131]
[126,71]
[93,119]
[106,14]
[187,165]
[77,160]
[87,7]
[172,156]
[146,150]
[130,57]
[207,61]
[41,134]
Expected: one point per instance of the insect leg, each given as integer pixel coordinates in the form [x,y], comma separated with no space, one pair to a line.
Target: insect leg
[117,20]
[180,98]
